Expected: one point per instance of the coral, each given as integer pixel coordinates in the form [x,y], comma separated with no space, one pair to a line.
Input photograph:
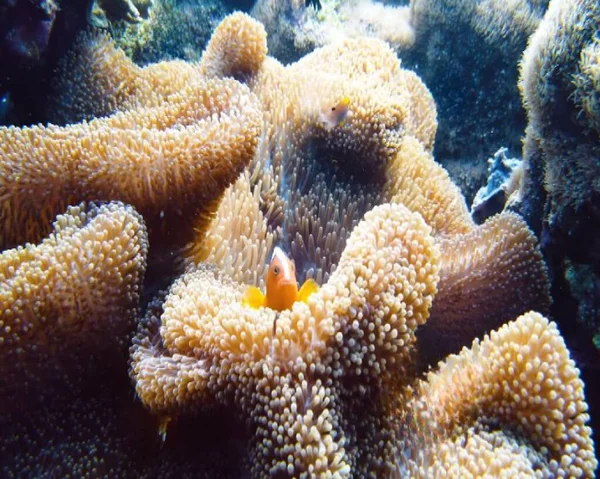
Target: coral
[169,151]
[418,182]
[246,45]
[307,187]
[297,374]
[473,85]
[467,52]
[170,29]
[307,190]
[561,188]
[310,183]
[97,79]
[512,404]
[74,295]
[562,53]
[323,386]
[296,28]
[587,85]
[499,263]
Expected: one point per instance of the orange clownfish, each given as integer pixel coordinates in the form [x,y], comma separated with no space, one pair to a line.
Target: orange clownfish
[336,115]
[282,287]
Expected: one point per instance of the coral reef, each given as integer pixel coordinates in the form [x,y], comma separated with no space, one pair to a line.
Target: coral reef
[287,173]
[169,151]
[467,52]
[73,296]
[497,263]
[170,29]
[296,28]
[308,190]
[301,375]
[308,186]
[561,189]
[512,405]
[329,158]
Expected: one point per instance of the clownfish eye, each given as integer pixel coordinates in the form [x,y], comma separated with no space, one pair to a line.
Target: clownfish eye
[276,270]
[333,108]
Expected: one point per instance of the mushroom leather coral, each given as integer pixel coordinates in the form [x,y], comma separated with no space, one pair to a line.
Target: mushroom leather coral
[298,375]
[512,404]
[171,156]
[75,295]
[309,185]
[487,277]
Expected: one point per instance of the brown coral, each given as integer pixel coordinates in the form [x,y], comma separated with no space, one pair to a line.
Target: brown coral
[513,403]
[487,277]
[246,45]
[321,181]
[418,182]
[296,28]
[560,87]
[96,79]
[560,67]
[76,293]
[171,159]
[299,373]
[318,383]
[318,177]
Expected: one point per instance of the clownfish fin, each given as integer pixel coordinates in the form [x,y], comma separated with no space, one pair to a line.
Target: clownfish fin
[309,287]
[253,298]
[162,428]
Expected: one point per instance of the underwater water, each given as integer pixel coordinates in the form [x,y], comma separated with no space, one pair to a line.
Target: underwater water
[283,238]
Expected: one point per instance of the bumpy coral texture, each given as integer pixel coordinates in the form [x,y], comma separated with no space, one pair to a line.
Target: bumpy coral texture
[560,86]
[308,186]
[299,376]
[494,20]
[511,405]
[247,49]
[296,27]
[302,377]
[170,147]
[560,67]
[73,295]
[499,263]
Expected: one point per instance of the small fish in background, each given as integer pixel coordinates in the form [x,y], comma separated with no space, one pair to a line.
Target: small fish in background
[282,287]
[5,105]
[336,115]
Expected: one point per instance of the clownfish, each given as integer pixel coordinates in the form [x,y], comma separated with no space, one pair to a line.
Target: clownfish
[282,287]
[337,115]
